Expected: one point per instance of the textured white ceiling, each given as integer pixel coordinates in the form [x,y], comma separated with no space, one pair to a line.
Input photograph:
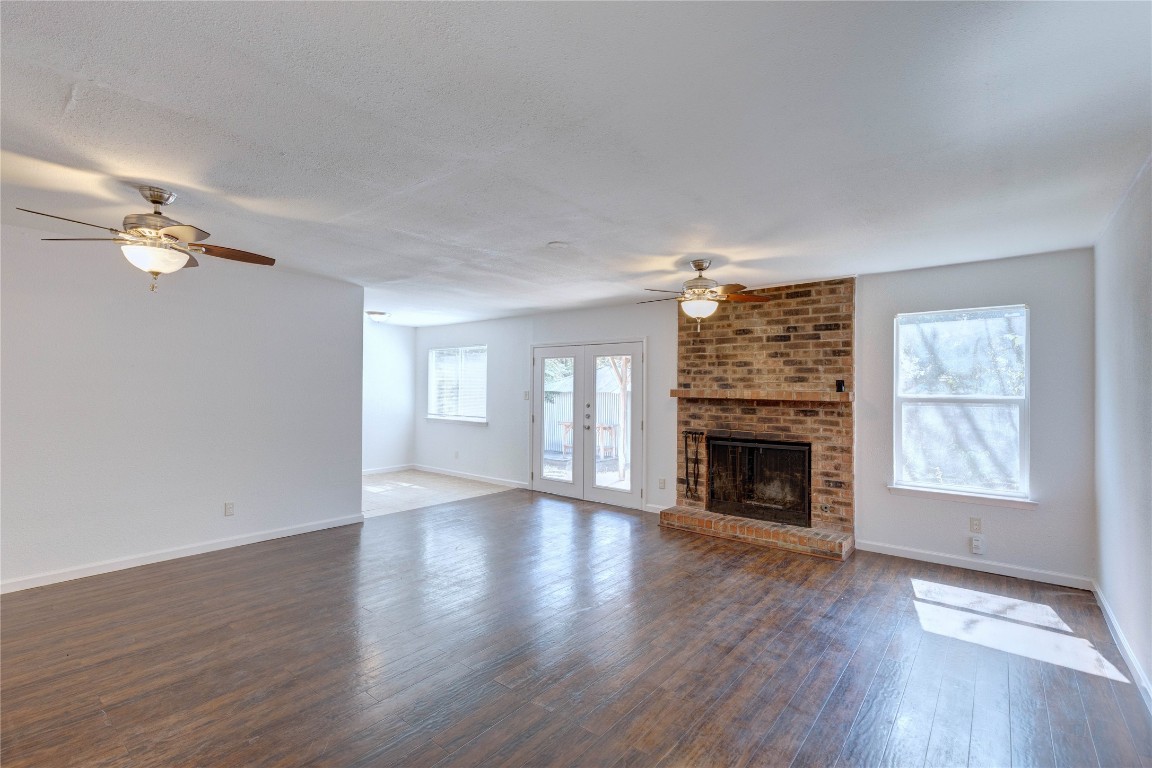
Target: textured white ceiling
[430,151]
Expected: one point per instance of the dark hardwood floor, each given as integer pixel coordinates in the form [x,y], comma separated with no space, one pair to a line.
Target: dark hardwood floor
[523,629]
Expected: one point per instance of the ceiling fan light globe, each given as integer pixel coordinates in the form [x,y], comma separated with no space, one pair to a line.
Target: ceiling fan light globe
[154,260]
[698,308]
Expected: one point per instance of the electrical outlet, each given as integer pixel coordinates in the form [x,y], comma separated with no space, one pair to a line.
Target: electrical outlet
[826,508]
[663,483]
[229,508]
[974,525]
[526,393]
[977,545]
[456,455]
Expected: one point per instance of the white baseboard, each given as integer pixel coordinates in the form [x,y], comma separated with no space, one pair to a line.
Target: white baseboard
[119,564]
[657,508]
[973,564]
[396,468]
[1142,683]
[470,476]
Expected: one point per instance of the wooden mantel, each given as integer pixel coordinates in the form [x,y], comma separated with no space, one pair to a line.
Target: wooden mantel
[807,396]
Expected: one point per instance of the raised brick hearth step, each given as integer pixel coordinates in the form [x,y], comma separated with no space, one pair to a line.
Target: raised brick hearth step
[810,541]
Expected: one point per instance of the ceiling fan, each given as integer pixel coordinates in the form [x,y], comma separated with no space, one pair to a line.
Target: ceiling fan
[157,244]
[701,295]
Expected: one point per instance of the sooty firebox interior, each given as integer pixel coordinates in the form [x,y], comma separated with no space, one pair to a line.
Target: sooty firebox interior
[761,480]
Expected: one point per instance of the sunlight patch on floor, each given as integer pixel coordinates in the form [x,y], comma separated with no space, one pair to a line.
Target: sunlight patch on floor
[995,605]
[992,631]
[384,493]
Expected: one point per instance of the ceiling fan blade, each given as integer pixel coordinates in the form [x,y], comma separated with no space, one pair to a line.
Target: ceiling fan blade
[74,221]
[659,290]
[191,262]
[87,239]
[746,297]
[730,288]
[221,252]
[185,233]
[652,301]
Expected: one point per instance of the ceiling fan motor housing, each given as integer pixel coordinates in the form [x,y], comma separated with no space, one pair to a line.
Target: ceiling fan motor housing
[698,284]
[147,224]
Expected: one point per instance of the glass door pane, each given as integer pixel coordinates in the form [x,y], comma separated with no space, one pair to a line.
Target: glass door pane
[557,422]
[612,425]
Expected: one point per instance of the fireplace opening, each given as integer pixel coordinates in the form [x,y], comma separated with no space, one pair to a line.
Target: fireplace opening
[761,480]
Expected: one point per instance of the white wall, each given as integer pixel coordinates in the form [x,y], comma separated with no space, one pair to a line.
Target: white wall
[389,396]
[1053,542]
[501,449]
[130,417]
[1124,424]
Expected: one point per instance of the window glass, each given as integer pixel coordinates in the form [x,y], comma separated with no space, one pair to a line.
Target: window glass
[961,410]
[969,352]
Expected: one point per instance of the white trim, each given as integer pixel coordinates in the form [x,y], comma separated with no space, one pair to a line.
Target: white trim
[1141,677]
[964,498]
[459,419]
[381,470]
[657,508]
[470,476]
[972,564]
[121,563]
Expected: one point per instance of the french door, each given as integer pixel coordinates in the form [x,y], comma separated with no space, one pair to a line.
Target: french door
[587,422]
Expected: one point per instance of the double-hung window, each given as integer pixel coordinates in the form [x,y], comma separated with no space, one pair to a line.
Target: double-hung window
[458,383]
[961,401]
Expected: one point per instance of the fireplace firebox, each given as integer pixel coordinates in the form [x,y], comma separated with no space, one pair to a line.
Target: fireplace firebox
[761,480]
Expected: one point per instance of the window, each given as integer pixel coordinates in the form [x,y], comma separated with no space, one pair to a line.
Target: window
[961,410]
[458,383]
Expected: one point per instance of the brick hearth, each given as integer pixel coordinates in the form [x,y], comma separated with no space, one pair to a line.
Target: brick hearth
[807,540]
[768,371]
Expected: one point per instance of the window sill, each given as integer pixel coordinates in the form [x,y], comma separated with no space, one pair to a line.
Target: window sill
[458,420]
[964,498]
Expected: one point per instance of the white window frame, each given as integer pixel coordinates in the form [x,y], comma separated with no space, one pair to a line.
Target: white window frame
[1023,402]
[432,382]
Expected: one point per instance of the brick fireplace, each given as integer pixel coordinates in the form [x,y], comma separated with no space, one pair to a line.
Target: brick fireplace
[775,372]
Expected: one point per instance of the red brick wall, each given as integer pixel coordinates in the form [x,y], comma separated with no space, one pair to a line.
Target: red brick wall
[796,345]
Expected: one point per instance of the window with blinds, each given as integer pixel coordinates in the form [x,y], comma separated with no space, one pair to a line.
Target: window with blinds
[458,383]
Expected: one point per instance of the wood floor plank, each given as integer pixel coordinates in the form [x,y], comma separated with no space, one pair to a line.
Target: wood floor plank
[830,727]
[1110,736]
[868,734]
[991,742]
[950,740]
[777,706]
[1071,735]
[1031,730]
[1137,718]
[523,629]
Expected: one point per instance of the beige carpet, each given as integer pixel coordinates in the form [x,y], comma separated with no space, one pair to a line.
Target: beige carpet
[389,492]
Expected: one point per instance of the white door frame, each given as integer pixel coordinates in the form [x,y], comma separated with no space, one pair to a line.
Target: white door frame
[639,434]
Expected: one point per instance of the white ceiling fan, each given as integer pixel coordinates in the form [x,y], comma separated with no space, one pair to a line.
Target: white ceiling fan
[701,295]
